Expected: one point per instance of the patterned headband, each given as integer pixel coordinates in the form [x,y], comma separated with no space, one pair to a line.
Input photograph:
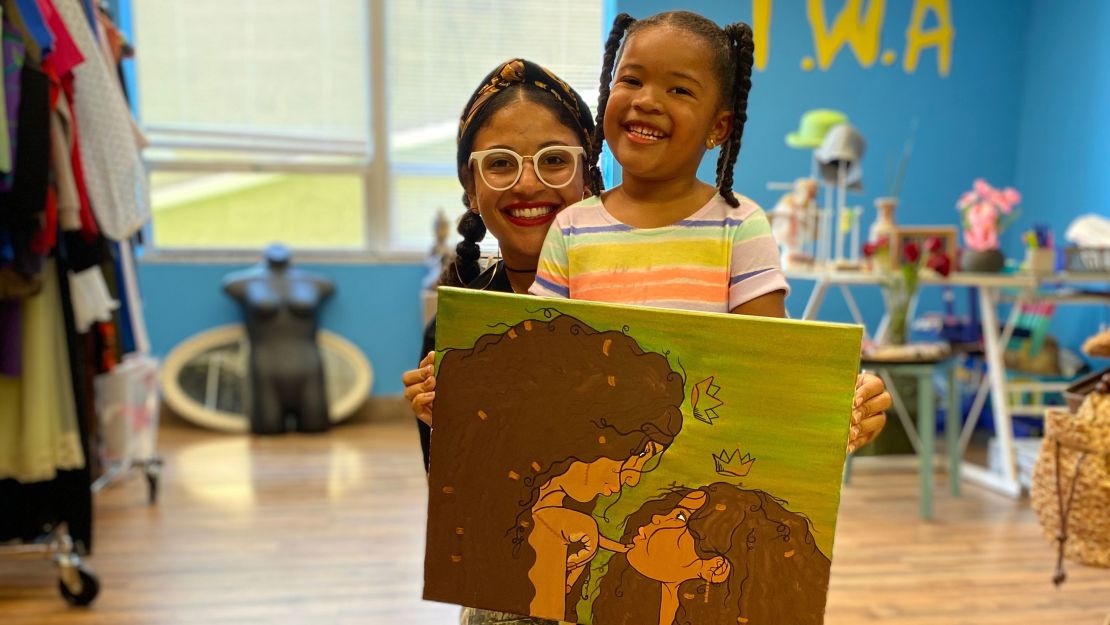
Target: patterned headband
[522,71]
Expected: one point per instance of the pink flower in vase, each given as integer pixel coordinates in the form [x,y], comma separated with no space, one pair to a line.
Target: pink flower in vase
[983,208]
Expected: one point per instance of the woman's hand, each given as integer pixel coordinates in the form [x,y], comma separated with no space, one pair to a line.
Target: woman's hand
[420,388]
[868,410]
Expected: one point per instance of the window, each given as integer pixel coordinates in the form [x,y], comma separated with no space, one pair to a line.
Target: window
[326,124]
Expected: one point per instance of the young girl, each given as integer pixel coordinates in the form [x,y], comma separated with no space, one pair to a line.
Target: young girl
[663,237]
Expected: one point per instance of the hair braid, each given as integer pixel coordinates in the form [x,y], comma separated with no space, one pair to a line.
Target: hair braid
[740,38]
[465,268]
[612,44]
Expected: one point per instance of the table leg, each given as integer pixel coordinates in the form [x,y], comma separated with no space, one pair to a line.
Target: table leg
[926,433]
[952,428]
[996,370]
[853,308]
[816,298]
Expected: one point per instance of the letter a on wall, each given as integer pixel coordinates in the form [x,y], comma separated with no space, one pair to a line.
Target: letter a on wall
[614,465]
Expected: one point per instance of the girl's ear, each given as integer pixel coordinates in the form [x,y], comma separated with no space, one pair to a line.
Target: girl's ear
[722,127]
[715,570]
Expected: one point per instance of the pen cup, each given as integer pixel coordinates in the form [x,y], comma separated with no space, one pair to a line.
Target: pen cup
[1040,260]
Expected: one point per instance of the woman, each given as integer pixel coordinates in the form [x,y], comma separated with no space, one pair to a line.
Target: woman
[510,508]
[527,109]
[715,554]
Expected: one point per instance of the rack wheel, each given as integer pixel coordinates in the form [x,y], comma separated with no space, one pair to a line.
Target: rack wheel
[153,472]
[152,487]
[90,587]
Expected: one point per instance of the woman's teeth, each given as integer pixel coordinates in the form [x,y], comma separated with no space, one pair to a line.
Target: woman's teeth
[646,133]
[530,213]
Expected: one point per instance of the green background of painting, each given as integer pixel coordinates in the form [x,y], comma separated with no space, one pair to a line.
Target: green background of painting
[787,388]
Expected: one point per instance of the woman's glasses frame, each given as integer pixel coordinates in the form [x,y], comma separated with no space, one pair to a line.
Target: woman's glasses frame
[576,151]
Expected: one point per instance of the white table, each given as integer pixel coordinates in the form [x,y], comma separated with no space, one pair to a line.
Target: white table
[1028,288]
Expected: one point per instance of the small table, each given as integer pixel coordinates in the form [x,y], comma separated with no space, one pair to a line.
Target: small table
[1057,288]
[923,440]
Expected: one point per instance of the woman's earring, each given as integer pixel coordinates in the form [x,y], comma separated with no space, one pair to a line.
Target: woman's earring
[710,143]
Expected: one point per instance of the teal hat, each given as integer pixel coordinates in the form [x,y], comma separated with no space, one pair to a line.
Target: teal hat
[813,127]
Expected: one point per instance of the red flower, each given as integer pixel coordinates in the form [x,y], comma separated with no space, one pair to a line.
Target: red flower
[870,249]
[911,252]
[933,244]
[940,264]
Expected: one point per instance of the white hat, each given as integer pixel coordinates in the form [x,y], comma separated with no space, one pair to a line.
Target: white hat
[844,144]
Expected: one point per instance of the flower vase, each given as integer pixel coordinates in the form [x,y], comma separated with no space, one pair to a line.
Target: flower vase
[897,309]
[884,225]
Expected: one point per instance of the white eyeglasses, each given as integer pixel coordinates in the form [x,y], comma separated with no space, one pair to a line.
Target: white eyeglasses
[554,165]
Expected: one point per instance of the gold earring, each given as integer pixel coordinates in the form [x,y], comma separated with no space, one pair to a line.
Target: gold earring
[710,143]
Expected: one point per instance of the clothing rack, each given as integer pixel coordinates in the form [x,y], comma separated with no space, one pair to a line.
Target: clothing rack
[73,194]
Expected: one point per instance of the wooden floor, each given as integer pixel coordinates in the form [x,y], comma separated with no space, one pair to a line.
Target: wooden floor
[329,530]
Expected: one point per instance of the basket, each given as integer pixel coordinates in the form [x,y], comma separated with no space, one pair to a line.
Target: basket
[1071,482]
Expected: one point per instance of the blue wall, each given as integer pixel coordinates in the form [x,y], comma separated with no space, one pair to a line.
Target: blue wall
[377,307]
[1064,151]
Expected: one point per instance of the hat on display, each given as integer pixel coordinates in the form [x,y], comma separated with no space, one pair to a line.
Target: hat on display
[813,127]
[842,144]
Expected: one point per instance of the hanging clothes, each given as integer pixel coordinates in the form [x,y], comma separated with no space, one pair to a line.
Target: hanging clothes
[24,204]
[37,36]
[115,175]
[38,417]
[5,141]
[12,52]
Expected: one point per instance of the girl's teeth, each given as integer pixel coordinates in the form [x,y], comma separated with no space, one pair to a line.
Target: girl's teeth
[530,213]
[645,133]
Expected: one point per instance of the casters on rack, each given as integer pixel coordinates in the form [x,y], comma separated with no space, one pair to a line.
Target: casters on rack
[153,469]
[76,582]
[78,585]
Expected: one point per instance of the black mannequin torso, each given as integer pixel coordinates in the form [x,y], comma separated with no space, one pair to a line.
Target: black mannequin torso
[281,305]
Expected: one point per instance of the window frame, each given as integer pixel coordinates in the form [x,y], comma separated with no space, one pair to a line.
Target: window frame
[367,158]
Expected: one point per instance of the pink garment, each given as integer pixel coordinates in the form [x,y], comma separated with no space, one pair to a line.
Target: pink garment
[65,55]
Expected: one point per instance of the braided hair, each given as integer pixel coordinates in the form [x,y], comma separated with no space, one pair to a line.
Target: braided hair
[513,81]
[733,57]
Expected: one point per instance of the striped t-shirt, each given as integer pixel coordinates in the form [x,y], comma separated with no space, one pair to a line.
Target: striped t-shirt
[714,260]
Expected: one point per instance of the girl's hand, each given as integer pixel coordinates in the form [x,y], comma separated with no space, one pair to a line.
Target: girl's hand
[420,386]
[868,410]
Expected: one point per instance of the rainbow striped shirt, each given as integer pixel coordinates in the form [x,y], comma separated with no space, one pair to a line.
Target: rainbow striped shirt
[714,260]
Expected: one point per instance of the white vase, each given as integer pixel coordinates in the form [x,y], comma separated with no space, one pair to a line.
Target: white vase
[884,225]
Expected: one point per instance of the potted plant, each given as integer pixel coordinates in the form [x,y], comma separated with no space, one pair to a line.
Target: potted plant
[986,211]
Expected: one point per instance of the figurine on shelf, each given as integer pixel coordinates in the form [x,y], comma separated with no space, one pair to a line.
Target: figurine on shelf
[793,220]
